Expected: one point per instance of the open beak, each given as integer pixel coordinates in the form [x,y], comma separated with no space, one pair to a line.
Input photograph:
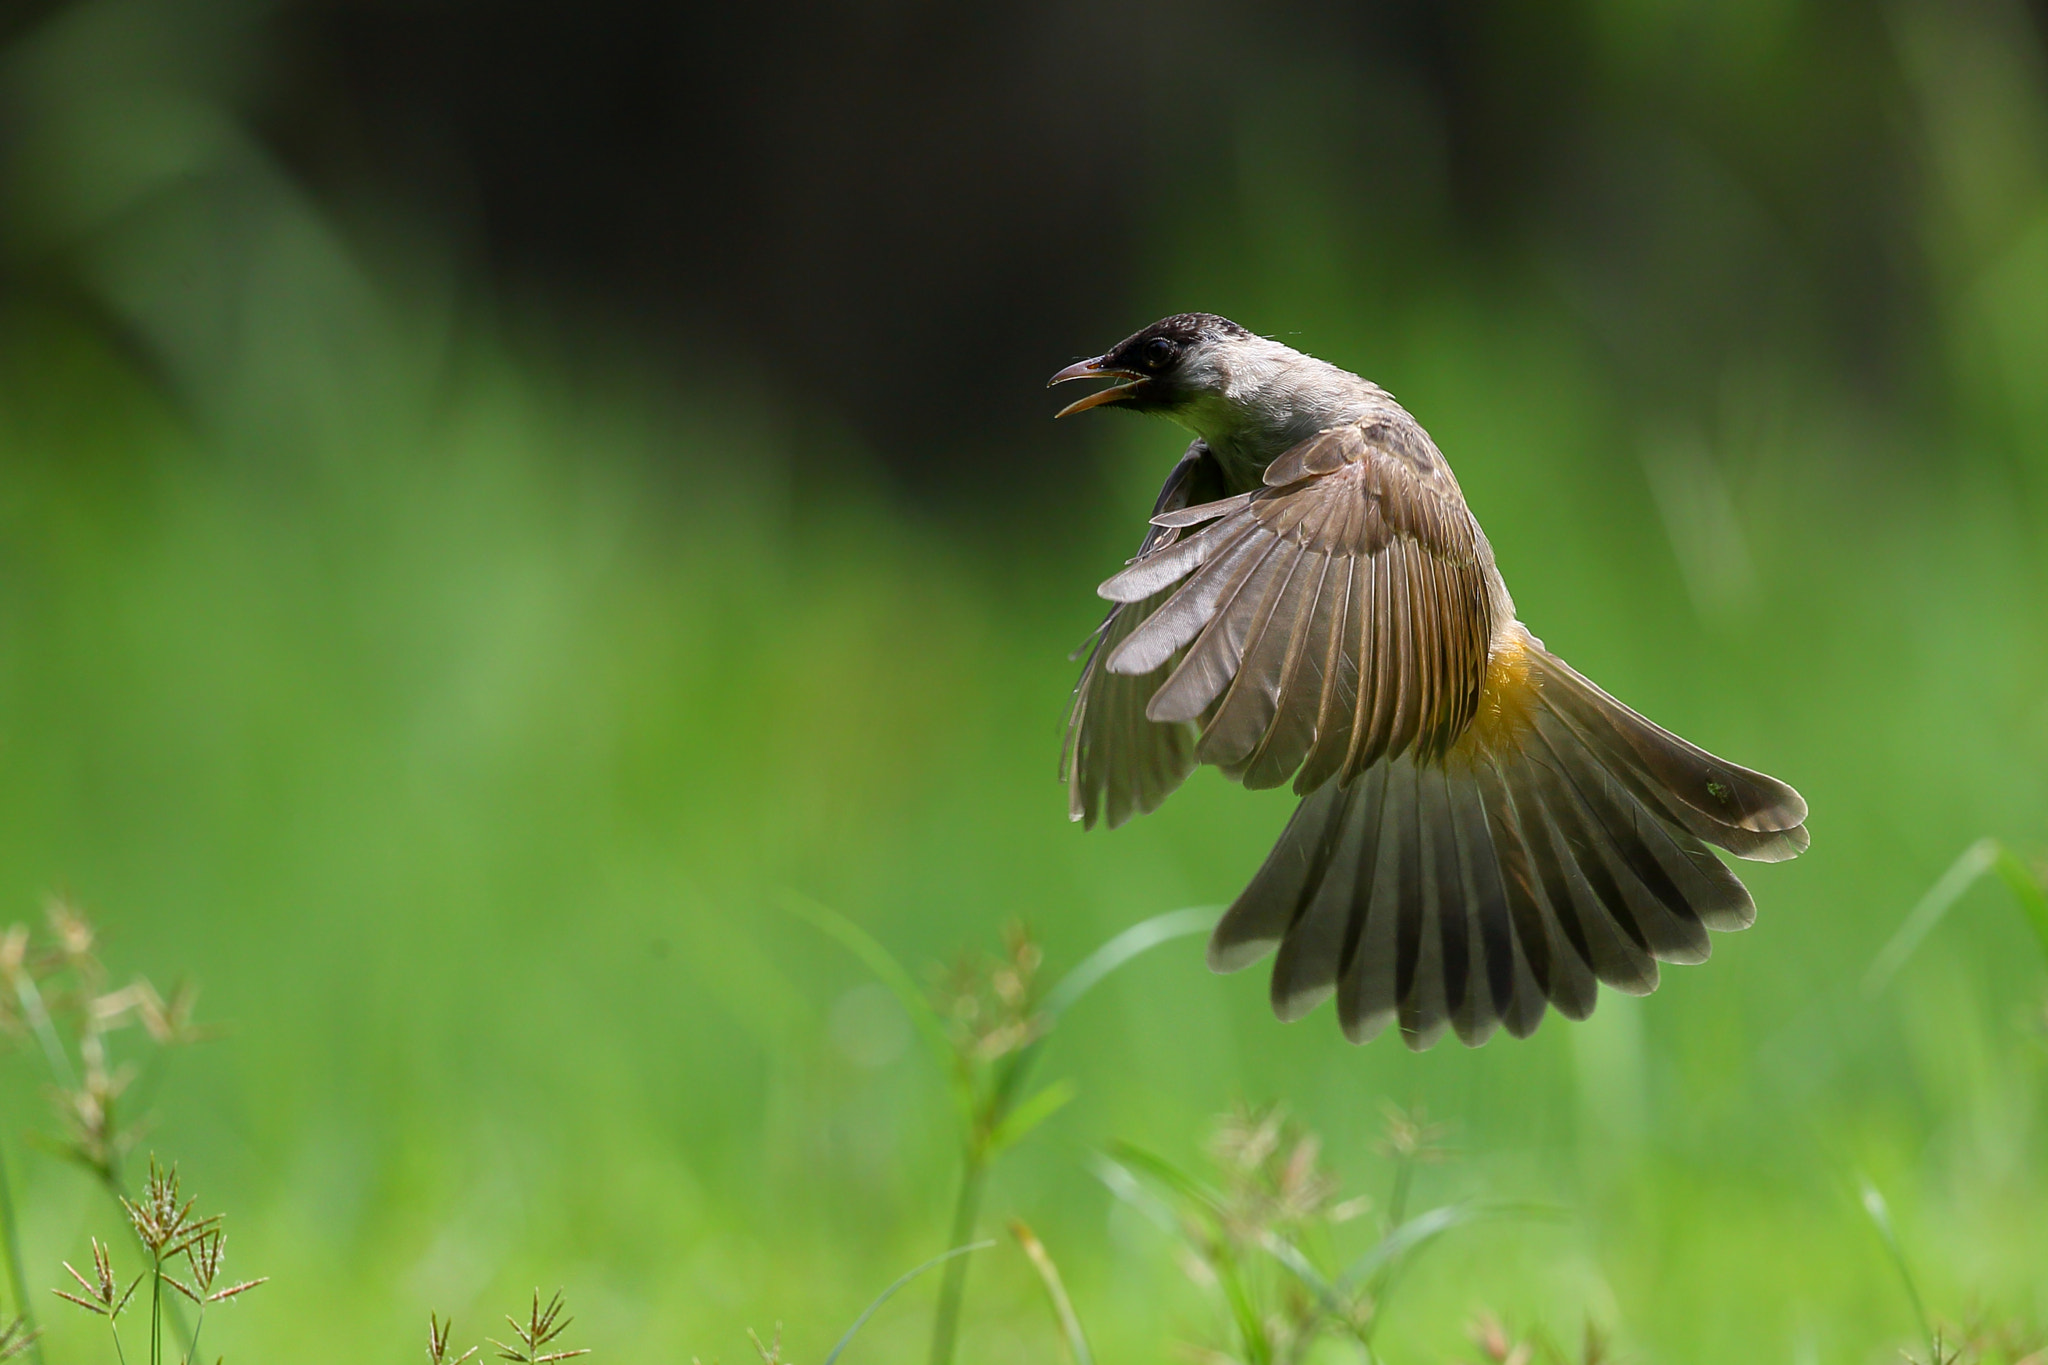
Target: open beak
[1095,369]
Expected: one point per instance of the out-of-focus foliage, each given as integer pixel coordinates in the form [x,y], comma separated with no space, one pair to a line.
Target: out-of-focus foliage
[454,691]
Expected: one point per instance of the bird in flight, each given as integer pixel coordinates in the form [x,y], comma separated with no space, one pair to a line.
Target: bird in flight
[1482,830]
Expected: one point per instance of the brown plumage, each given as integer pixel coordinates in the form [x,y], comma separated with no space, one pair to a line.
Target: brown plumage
[1482,830]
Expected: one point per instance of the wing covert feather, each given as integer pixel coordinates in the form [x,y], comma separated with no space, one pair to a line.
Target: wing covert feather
[1336,617]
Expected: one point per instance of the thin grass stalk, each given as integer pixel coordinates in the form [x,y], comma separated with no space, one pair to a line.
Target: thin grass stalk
[2028,890]
[1881,1215]
[156,1310]
[946,1256]
[974,1166]
[1009,1082]
[892,975]
[1985,856]
[983,1120]
[110,1181]
[168,1308]
[1257,1349]
[1056,1292]
[10,1234]
[1383,1278]
[45,1030]
[953,1286]
[198,1326]
[974,1169]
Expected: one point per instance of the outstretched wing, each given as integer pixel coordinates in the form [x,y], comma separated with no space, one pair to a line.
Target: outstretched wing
[1338,616]
[1116,762]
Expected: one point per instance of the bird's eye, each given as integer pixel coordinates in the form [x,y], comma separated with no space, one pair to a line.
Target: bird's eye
[1159,352]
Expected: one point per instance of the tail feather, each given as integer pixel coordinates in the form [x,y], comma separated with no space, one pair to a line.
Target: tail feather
[1469,892]
[1501,977]
[1625,882]
[1589,903]
[1368,991]
[1306,969]
[1751,815]
[1431,972]
[1627,839]
[1556,967]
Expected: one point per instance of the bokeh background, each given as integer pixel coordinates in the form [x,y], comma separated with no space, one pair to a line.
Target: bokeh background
[491,494]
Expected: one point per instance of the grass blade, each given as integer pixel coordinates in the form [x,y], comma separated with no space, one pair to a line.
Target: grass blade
[1976,860]
[1252,1335]
[1055,1290]
[2027,890]
[1127,1187]
[1028,1115]
[1140,938]
[1169,1175]
[1881,1216]
[10,1242]
[38,1016]
[1290,1256]
[1417,1232]
[890,1292]
[883,964]
[1425,1228]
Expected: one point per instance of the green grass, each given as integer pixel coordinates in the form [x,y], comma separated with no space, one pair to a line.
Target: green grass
[461,706]
[465,765]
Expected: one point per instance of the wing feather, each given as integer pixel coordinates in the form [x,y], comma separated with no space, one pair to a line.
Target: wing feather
[1211,662]
[1332,619]
[1240,719]
[1114,761]
[1181,617]
[1251,713]
[1339,701]
[1291,730]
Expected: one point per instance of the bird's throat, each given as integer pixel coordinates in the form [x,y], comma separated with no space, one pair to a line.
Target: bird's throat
[1248,429]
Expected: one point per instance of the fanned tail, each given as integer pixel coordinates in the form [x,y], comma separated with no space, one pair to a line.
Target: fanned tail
[1561,843]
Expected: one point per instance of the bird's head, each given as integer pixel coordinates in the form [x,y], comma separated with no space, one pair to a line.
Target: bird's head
[1172,368]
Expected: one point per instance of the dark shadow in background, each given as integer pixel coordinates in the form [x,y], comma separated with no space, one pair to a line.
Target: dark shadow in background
[908,213]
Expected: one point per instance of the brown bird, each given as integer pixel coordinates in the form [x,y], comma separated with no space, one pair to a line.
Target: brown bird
[1482,830]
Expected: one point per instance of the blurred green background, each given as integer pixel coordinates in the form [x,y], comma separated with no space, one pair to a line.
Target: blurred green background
[491,495]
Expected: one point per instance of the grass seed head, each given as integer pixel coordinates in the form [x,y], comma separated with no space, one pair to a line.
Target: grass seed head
[990,1004]
[204,1256]
[103,1294]
[163,1219]
[1981,1339]
[167,1022]
[56,989]
[90,1114]
[437,1342]
[1410,1136]
[1272,1176]
[13,953]
[770,1354]
[1496,1343]
[16,1337]
[73,933]
[542,1326]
